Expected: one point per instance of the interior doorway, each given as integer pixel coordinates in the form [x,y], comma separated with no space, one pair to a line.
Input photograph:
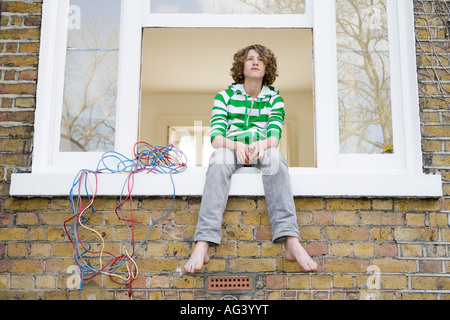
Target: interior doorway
[184,68]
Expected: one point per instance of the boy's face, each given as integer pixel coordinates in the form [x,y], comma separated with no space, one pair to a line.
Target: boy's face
[254,66]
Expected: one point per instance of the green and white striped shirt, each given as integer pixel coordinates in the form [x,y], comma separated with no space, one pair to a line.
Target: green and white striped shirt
[237,116]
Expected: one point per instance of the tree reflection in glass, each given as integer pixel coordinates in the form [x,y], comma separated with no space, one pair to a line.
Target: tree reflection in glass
[91,74]
[365,116]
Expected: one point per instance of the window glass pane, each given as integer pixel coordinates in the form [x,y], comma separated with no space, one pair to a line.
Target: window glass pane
[90,84]
[365,117]
[229,6]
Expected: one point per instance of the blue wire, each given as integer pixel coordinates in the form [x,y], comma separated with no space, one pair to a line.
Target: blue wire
[158,163]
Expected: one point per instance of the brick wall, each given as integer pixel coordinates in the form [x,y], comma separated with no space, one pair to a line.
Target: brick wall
[407,239]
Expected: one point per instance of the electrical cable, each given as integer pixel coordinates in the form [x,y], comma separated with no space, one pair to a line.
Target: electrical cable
[148,159]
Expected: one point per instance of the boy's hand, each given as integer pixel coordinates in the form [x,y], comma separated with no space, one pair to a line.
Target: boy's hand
[243,153]
[257,150]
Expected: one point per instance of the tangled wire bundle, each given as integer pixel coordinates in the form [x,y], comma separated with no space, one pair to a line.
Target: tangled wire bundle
[147,159]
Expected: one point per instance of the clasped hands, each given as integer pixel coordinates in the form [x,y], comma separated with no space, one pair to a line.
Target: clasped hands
[248,154]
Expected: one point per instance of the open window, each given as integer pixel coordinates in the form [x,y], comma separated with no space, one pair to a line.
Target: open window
[183,70]
[354,128]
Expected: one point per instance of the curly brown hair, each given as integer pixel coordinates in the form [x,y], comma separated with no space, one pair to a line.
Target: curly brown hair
[270,61]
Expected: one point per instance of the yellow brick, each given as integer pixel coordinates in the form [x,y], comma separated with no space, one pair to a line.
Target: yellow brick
[274,295]
[342,281]
[320,282]
[380,234]
[185,218]
[19,204]
[248,250]
[304,296]
[283,265]
[363,249]
[436,250]
[63,250]
[186,295]
[430,283]
[348,204]
[160,281]
[21,281]
[157,265]
[162,216]
[172,233]
[346,265]
[140,233]
[155,295]
[240,204]
[431,145]
[415,234]
[392,265]
[346,234]
[20,295]
[340,249]
[232,218]
[215,265]
[381,218]
[310,233]
[415,219]
[225,250]
[394,282]
[91,236]
[45,282]
[269,249]
[40,250]
[337,296]
[55,234]
[261,204]
[239,233]
[60,203]
[26,218]
[303,204]
[17,234]
[299,282]
[111,219]
[417,204]
[382,204]
[163,204]
[345,218]
[439,219]
[418,296]
[17,250]
[304,218]
[255,218]
[155,249]
[411,250]
[22,7]
[178,250]
[4,281]
[184,282]
[252,265]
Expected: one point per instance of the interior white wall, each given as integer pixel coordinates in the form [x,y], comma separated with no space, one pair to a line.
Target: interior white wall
[183,69]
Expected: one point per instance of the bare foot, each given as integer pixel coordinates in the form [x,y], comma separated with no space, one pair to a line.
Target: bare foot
[198,257]
[295,252]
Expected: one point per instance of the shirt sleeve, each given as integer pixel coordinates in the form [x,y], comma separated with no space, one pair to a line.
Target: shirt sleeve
[219,117]
[276,118]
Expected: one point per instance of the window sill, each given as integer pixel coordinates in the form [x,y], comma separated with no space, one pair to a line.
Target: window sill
[305,182]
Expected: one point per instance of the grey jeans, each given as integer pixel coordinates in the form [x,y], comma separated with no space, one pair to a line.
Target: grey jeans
[277,189]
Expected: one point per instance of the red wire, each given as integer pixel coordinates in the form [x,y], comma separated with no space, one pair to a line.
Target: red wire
[167,158]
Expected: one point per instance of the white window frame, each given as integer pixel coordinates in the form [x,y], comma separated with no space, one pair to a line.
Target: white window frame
[387,175]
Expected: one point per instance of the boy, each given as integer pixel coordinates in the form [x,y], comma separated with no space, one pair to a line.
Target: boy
[246,125]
